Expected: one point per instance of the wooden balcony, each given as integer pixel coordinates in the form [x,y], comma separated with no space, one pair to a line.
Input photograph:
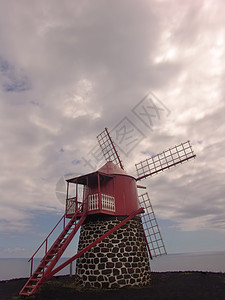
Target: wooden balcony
[106,204]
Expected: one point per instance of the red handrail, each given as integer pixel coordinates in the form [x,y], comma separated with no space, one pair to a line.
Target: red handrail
[46,239]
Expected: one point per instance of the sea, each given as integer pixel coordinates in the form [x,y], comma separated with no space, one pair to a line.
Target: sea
[11,268]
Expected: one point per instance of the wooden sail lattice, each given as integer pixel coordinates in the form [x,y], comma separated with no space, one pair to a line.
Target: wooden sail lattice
[151,228]
[165,160]
[108,148]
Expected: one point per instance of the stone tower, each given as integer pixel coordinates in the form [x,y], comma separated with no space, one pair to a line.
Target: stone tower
[119,260]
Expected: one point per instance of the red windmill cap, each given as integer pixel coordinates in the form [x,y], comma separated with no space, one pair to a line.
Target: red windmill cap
[111,169]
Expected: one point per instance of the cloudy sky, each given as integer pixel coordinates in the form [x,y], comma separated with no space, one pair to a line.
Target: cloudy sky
[68,69]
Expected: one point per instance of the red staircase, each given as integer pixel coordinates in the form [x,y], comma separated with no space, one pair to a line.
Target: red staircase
[48,262]
[45,269]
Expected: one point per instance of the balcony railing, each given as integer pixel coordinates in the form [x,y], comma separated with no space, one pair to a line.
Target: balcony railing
[72,206]
[108,202]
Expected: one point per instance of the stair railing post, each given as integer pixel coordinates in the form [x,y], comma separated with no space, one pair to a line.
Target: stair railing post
[76,198]
[31,266]
[46,246]
[67,197]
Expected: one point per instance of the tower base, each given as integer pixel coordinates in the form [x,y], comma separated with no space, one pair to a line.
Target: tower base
[120,260]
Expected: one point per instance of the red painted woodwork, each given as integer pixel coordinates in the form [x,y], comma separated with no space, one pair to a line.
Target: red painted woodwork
[110,180]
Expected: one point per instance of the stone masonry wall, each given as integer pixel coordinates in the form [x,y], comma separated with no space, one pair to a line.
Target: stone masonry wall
[119,260]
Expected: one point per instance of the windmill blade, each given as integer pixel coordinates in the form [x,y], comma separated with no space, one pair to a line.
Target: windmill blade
[165,160]
[108,148]
[151,228]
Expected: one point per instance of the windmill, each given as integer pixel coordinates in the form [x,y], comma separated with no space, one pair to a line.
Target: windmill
[119,231]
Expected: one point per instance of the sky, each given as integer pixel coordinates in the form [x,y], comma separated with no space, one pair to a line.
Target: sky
[68,69]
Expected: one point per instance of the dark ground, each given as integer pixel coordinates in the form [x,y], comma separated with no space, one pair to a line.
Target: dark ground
[168,285]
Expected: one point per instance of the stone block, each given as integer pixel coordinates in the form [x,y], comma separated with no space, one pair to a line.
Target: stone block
[115,285]
[128,249]
[96,249]
[100,254]
[123,259]
[110,254]
[127,265]
[130,270]
[101,266]
[114,259]
[119,265]
[92,278]
[92,267]
[116,272]
[115,249]
[106,271]
[109,265]
[104,250]
[122,282]
[112,279]
[96,260]
[100,278]
[103,259]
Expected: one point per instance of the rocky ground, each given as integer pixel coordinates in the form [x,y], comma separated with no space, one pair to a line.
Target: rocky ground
[168,285]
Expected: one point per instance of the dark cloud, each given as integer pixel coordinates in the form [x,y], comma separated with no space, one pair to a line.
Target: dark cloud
[13,79]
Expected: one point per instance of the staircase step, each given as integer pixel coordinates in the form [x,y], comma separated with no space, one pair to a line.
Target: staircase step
[30,287]
[53,251]
[25,293]
[50,256]
[35,279]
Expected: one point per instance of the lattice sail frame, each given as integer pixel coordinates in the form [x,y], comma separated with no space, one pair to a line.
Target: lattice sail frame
[108,148]
[165,160]
[151,228]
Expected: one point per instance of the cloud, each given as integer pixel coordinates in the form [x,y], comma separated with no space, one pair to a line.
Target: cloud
[69,69]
